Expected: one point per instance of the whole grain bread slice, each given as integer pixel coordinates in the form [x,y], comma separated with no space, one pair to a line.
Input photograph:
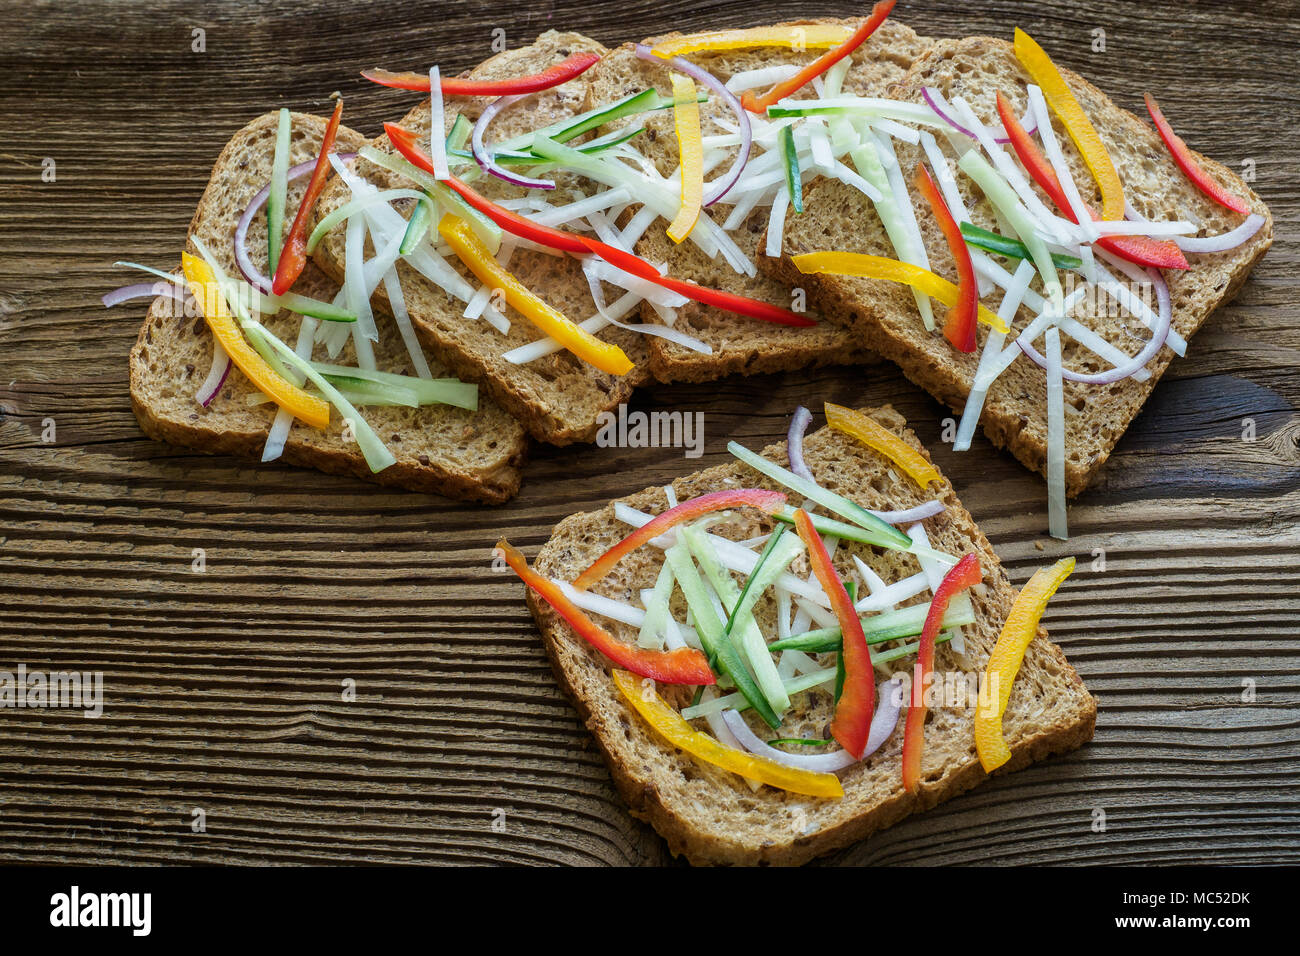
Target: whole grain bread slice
[884,314]
[740,345]
[558,398]
[715,817]
[474,456]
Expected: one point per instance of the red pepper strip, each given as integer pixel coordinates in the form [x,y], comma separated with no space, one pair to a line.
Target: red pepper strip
[768,501]
[1143,250]
[451,86]
[577,245]
[962,575]
[851,725]
[685,665]
[759,104]
[293,257]
[1187,162]
[959,326]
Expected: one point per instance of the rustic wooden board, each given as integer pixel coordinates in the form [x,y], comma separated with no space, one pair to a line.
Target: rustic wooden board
[223,688]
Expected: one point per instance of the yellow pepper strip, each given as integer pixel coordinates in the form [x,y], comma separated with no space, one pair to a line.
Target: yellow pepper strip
[875,435]
[206,290]
[877,267]
[810,37]
[671,726]
[1004,662]
[1044,72]
[480,261]
[690,152]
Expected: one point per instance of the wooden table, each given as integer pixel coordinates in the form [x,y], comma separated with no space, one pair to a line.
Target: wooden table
[224,689]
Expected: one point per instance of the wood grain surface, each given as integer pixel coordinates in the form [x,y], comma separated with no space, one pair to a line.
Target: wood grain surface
[224,689]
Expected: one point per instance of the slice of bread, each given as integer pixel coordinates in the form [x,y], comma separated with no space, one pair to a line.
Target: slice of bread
[884,314]
[468,455]
[713,816]
[740,345]
[557,398]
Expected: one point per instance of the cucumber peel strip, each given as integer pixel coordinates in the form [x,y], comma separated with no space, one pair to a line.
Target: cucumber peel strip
[879,628]
[277,198]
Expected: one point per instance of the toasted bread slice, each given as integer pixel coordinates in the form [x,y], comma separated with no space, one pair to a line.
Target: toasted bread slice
[740,345]
[557,398]
[1015,413]
[713,816]
[461,454]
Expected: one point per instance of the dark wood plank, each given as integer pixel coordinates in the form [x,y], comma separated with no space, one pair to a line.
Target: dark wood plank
[223,689]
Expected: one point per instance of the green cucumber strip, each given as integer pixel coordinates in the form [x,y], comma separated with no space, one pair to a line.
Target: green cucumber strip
[354,206]
[709,629]
[749,639]
[1013,248]
[445,391]
[769,567]
[656,615]
[279,191]
[793,180]
[799,684]
[903,112]
[514,158]
[416,227]
[852,532]
[487,230]
[805,741]
[390,394]
[325,311]
[567,129]
[879,628]
[882,534]
[459,134]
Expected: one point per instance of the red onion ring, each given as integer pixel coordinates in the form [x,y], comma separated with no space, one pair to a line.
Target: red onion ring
[217,375]
[722,185]
[794,442]
[1148,352]
[922,511]
[142,290]
[251,273]
[1224,241]
[889,702]
[934,99]
[484,157]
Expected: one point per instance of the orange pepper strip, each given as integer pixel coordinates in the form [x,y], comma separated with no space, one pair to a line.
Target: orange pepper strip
[1057,93]
[805,36]
[1020,628]
[685,665]
[759,104]
[875,435]
[670,725]
[690,150]
[480,261]
[203,284]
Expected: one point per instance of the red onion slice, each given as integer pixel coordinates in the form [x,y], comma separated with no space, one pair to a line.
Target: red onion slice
[251,273]
[145,290]
[1223,241]
[216,376]
[922,511]
[722,185]
[484,156]
[935,100]
[794,442]
[889,702]
[1139,361]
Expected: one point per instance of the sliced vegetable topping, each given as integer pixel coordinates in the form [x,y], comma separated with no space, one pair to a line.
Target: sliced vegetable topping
[1143,250]
[1012,248]
[891,270]
[684,665]
[758,104]
[812,36]
[1187,162]
[603,355]
[875,435]
[1020,628]
[964,574]
[959,326]
[672,727]
[561,72]
[278,187]
[294,255]
[766,501]
[790,159]
[1086,139]
[851,724]
[690,151]
[205,287]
